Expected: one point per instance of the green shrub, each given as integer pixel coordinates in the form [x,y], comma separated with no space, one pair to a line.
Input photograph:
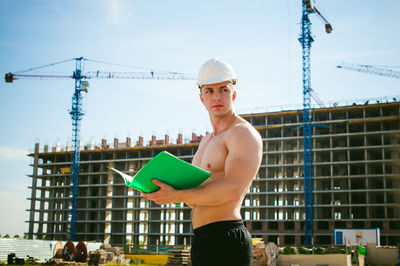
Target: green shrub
[333,250]
[319,250]
[303,250]
[289,251]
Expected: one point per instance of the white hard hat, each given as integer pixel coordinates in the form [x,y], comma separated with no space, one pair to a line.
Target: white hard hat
[214,71]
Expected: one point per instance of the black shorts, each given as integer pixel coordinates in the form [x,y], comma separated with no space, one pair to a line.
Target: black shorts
[222,243]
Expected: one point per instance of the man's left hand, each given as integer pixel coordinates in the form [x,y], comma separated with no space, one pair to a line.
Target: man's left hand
[165,195]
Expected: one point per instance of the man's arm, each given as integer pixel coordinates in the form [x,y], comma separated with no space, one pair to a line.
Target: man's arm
[243,160]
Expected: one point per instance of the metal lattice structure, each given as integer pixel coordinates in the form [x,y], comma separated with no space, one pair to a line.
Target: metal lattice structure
[370,69]
[76,116]
[306,40]
[77,113]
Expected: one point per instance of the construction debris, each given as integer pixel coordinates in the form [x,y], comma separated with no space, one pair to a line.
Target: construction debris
[264,254]
[97,257]
[78,255]
[107,254]
[12,259]
[259,254]
[81,252]
[272,251]
[180,257]
[62,262]
[69,251]
[58,250]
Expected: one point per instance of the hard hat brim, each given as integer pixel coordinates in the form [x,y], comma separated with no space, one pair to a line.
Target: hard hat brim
[213,81]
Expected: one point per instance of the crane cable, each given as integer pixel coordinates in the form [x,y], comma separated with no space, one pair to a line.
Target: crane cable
[130,66]
[95,61]
[43,66]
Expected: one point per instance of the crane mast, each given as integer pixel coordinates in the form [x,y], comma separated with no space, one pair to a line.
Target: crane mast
[306,40]
[76,116]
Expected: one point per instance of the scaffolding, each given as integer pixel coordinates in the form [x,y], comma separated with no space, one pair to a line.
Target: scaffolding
[356,182]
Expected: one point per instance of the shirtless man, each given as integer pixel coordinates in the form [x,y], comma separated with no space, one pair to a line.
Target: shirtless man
[232,153]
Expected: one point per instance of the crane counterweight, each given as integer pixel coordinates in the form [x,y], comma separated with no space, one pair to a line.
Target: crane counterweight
[9,77]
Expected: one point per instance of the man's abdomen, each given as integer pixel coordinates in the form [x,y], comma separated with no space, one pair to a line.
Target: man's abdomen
[202,215]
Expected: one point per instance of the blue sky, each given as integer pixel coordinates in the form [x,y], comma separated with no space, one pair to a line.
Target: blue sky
[259,38]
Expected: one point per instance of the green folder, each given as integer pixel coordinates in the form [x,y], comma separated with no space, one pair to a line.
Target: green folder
[168,169]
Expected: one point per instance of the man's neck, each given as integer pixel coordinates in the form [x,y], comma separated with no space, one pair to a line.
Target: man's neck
[220,124]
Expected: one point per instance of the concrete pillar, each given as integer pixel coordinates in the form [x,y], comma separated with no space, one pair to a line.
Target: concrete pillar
[33,192]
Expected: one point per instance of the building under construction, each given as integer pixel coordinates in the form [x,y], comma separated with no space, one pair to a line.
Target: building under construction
[356,182]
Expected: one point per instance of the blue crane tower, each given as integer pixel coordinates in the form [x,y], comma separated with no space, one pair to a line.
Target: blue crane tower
[76,116]
[306,40]
[76,111]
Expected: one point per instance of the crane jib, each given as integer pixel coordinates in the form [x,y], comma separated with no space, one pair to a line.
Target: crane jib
[76,110]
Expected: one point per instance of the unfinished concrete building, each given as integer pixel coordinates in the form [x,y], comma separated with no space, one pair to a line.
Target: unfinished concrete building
[356,182]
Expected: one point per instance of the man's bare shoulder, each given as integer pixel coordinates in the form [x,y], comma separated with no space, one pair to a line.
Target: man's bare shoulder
[243,132]
[242,127]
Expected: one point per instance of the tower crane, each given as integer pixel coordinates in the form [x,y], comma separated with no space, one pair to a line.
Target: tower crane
[306,40]
[316,98]
[76,113]
[371,69]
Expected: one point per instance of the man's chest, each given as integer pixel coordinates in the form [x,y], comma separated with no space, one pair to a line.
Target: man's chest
[212,154]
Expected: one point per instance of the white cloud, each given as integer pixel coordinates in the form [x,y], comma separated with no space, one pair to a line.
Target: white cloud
[116,12]
[10,153]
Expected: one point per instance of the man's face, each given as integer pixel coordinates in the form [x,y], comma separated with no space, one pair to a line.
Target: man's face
[218,98]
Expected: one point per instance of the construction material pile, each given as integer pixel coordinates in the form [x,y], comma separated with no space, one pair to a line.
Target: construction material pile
[264,254]
[69,253]
[180,257]
[12,259]
[107,254]
[78,255]
[259,254]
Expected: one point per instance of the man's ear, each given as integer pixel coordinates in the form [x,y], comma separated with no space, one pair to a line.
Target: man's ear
[234,95]
[201,98]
